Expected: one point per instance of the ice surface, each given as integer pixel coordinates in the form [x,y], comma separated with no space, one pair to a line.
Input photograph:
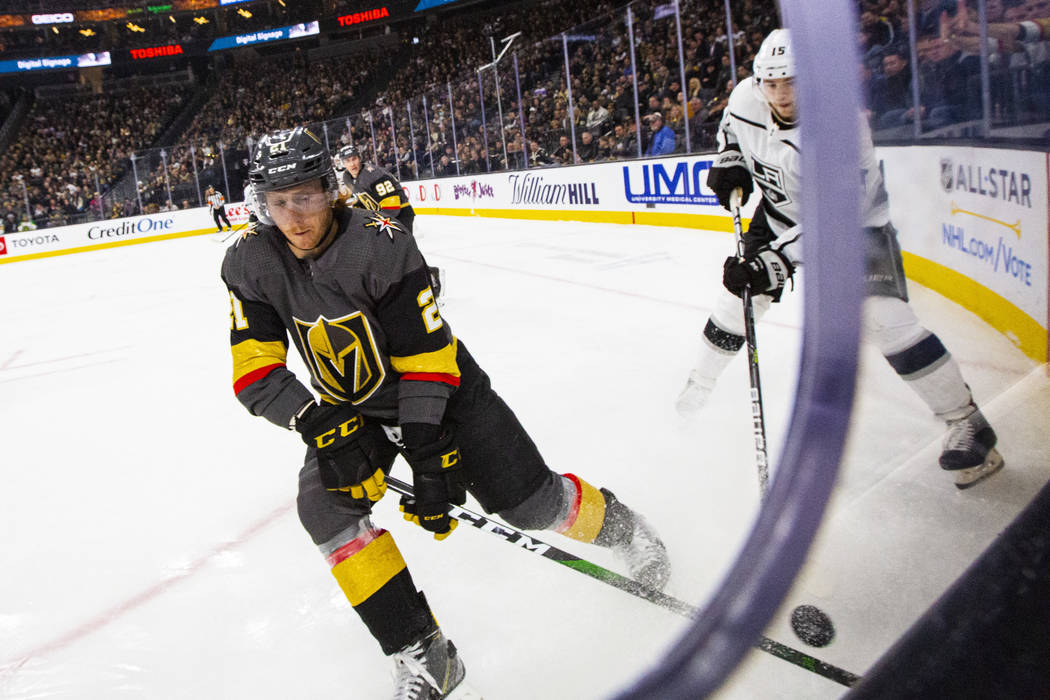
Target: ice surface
[150,542]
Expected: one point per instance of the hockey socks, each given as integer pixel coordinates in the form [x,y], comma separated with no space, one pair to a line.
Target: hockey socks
[598,517]
[373,575]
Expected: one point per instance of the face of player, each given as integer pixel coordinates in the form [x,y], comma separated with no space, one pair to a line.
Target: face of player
[353,165]
[780,94]
[304,215]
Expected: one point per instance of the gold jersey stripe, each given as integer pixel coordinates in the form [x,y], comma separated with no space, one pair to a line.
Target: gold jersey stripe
[250,355]
[590,516]
[441,361]
[391,202]
[363,574]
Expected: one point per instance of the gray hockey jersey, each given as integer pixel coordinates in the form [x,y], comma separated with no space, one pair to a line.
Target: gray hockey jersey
[362,316]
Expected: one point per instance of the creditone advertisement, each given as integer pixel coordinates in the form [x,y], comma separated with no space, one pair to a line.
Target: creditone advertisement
[973,224]
[664,191]
[29,245]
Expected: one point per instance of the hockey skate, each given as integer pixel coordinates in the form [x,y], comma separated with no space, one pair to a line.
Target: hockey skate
[969,449]
[635,541]
[694,396]
[430,669]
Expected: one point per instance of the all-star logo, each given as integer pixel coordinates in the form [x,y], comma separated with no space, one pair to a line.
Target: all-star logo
[947,174]
[384,224]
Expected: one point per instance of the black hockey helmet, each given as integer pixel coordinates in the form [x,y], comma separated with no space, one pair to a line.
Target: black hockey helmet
[286,158]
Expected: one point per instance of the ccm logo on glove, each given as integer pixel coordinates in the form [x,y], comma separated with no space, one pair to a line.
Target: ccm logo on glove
[344,430]
[450,459]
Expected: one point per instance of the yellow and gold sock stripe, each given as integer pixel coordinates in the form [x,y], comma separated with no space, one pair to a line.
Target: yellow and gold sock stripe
[587,514]
[365,564]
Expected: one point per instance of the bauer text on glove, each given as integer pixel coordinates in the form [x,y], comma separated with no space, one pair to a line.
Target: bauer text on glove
[766,271]
[728,172]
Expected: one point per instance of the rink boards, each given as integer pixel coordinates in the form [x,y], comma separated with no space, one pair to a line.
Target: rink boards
[973,222]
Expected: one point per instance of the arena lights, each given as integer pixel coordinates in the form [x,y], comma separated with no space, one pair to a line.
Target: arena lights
[244,13]
[135,28]
[200,20]
[364,16]
[87,31]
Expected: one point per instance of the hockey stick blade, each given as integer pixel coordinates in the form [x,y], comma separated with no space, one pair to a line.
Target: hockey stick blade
[668,602]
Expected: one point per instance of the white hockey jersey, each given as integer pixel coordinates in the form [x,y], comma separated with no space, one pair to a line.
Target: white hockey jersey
[249,198]
[773,157]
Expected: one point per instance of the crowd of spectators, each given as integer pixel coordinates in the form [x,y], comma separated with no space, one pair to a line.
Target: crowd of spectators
[72,149]
[421,107]
[603,119]
[251,97]
[247,100]
[948,52]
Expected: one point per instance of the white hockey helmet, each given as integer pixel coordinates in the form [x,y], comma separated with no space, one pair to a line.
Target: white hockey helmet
[775,59]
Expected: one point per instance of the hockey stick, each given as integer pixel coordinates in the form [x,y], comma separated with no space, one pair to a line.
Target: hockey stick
[758,419]
[232,232]
[531,544]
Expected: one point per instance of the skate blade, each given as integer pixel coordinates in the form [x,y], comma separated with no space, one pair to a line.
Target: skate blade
[965,478]
[463,692]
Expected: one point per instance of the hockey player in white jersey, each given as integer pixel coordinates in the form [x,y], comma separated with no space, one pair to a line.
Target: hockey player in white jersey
[758,140]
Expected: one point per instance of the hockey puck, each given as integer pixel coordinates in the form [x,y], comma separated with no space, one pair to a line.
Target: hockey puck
[812,625]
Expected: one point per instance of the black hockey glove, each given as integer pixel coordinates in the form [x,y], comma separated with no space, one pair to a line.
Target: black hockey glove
[347,456]
[437,478]
[728,172]
[766,271]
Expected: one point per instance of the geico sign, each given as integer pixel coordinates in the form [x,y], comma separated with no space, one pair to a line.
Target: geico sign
[55,18]
[128,228]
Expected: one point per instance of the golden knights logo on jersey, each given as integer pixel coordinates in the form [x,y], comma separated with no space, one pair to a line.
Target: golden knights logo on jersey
[342,356]
[771,179]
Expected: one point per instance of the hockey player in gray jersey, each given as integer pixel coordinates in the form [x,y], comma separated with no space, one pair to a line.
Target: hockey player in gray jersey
[371,187]
[351,289]
[759,144]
